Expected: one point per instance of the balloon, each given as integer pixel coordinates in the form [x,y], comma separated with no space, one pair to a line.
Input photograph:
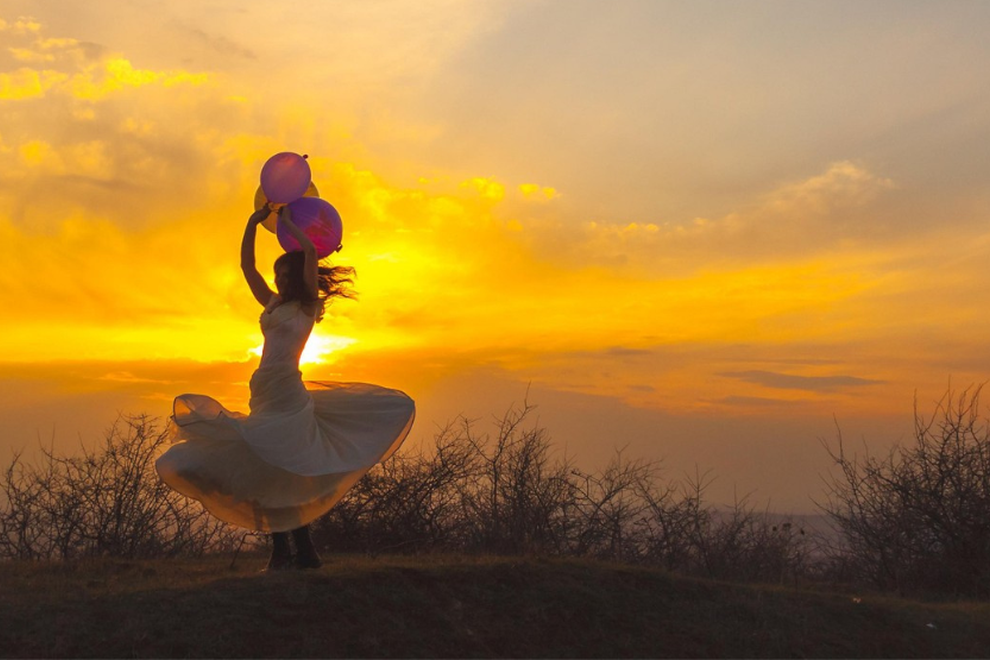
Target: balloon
[260,200]
[319,220]
[285,177]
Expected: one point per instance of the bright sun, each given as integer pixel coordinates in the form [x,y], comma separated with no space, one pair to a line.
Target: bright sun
[318,349]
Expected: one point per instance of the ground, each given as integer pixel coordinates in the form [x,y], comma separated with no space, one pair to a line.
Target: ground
[452,606]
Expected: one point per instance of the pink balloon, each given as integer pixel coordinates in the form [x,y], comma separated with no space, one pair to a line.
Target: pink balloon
[319,220]
[285,177]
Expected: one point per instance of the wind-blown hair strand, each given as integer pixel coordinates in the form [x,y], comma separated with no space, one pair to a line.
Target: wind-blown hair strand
[331,282]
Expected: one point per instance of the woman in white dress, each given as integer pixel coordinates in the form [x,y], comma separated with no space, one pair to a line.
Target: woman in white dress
[303,445]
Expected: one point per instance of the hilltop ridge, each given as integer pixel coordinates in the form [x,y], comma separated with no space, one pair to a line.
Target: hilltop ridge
[452,606]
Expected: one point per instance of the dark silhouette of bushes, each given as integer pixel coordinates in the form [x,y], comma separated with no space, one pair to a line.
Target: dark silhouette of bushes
[109,501]
[914,520]
[501,493]
[509,494]
[918,519]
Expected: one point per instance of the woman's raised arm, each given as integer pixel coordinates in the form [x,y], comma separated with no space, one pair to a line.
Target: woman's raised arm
[260,289]
[311,264]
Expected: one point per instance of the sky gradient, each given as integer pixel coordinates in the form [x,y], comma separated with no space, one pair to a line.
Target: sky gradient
[700,232]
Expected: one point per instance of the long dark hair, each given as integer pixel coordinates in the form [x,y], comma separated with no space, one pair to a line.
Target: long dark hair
[331,282]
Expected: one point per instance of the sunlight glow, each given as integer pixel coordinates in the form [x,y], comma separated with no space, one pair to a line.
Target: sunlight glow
[717,216]
[319,349]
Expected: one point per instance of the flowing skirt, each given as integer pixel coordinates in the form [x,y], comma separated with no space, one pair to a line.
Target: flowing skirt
[292,458]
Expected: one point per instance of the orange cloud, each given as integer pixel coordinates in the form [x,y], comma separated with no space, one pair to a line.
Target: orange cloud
[28,83]
[117,73]
[534,192]
[126,198]
[73,68]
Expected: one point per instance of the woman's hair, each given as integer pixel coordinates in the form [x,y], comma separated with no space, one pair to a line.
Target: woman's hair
[331,282]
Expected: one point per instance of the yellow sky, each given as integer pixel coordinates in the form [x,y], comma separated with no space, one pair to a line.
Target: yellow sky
[707,227]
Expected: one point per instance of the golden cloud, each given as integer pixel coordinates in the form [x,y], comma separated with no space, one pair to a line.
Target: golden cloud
[73,68]
[28,83]
[117,73]
[126,198]
[797,220]
[535,192]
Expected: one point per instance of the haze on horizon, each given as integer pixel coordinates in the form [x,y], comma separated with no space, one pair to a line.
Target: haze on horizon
[699,231]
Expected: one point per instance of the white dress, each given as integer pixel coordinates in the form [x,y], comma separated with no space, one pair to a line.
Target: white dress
[298,451]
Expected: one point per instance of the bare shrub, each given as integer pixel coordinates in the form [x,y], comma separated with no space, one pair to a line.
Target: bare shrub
[508,493]
[504,492]
[743,544]
[517,501]
[108,501]
[669,523]
[916,519]
[608,508]
[411,502]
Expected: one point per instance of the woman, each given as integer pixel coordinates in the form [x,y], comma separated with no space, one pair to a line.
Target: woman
[302,446]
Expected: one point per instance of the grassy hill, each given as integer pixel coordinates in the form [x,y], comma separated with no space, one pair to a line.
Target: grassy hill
[453,607]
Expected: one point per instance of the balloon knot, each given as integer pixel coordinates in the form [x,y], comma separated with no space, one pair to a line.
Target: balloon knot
[305,156]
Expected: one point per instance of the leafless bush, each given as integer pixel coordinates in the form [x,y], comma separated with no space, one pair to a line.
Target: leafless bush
[916,519]
[742,544]
[411,502]
[508,493]
[609,508]
[667,527]
[108,501]
[517,501]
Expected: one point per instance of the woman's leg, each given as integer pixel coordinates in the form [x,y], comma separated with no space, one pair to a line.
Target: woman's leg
[306,554]
[281,552]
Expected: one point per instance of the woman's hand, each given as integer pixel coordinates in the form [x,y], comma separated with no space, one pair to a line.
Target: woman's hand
[260,215]
[285,218]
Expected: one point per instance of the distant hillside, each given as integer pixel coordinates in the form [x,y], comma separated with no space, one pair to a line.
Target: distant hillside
[446,606]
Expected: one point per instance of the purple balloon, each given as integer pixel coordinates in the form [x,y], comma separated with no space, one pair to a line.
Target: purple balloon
[319,220]
[285,177]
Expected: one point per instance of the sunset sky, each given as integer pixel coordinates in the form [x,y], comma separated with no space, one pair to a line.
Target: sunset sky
[704,232]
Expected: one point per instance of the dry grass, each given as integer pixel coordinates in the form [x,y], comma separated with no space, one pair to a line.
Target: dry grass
[450,606]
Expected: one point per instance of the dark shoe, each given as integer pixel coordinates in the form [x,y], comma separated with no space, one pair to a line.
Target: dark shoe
[281,558]
[306,554]
[280,563]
